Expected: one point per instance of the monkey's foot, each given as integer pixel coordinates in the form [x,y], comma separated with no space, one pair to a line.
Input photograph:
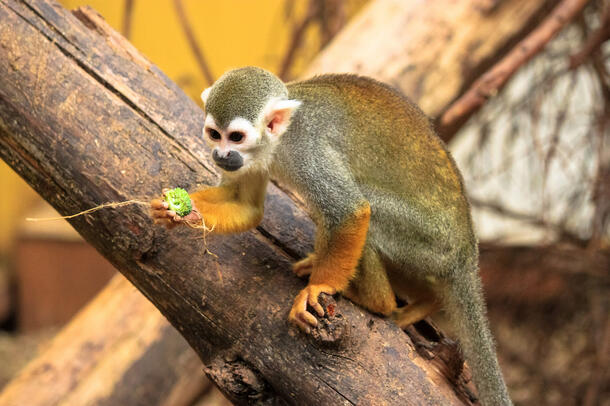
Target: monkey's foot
[304,266]
[308,296]
[412,313]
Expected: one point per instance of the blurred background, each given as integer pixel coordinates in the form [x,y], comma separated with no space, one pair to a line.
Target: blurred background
[535,158]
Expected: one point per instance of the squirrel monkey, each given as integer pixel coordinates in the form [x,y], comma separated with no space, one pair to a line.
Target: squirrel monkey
[386,197]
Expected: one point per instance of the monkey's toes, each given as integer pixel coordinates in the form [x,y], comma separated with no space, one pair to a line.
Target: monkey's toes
[299,314]
[308,296]
[305,266]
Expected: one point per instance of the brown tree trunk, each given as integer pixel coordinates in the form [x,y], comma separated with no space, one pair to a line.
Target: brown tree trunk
[85,120]
[118,337]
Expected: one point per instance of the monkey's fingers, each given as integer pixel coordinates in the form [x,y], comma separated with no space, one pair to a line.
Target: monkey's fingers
[160,214]
[194,216]
[158,204]
[305,321]
[308,296]
[168,223]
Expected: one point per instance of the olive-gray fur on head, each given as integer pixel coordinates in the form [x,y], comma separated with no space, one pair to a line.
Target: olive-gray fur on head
[242,92]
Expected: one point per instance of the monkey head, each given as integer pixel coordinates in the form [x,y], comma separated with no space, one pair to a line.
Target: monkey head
[246,111]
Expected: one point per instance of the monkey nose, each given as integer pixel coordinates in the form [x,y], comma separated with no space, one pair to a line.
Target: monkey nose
[221,154]
[230,162]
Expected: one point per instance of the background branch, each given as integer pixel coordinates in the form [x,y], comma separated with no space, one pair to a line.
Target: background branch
[193,43]
[489,84]
[127,18]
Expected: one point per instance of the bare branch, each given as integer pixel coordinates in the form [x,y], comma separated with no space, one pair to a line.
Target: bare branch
[491,82]
[593,41]
[193,43]
[127,18]
[297,38]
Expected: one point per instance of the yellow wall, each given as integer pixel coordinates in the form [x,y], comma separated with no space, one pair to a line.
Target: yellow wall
[231,33]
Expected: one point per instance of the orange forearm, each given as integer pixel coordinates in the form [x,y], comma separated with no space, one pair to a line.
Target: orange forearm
[222,213]
[215,194]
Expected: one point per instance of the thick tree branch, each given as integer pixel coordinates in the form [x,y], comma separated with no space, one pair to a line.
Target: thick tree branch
[85,120]
[119,336]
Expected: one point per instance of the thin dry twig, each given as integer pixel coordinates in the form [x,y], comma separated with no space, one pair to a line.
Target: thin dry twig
[297,38]
[493,80]
[527,218]
[333,18]
[193,44]
[601,185]
[330,15]
[127,18]
[593,41]
[560,120]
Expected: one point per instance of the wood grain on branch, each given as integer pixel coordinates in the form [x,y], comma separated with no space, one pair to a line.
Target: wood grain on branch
[86,120]
[498,25]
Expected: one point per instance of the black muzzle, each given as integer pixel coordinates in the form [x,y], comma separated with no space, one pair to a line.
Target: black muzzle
[232,162]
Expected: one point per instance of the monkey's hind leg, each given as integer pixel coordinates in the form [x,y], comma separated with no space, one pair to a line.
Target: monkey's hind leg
[371,288]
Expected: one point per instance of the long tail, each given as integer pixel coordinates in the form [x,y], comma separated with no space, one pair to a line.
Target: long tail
[464,303]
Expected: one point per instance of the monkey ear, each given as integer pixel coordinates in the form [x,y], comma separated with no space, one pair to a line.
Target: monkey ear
[278,114]
[205,94]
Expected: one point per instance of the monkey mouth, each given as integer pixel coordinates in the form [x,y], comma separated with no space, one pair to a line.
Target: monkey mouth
[232,162]
[230,167]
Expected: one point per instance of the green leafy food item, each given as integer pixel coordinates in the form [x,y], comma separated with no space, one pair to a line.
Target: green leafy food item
[179,201]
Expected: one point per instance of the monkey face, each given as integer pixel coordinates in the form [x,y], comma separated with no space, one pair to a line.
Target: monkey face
[245,119]
[238,146]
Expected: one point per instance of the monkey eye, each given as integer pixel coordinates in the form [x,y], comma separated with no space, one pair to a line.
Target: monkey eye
[213,134]
[236,136]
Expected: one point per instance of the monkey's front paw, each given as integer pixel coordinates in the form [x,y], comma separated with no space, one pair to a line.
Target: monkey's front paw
[162,214]
[304,266]
[308,296]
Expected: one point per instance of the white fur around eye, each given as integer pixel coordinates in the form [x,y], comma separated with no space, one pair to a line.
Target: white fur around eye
[240,124]
[209,123]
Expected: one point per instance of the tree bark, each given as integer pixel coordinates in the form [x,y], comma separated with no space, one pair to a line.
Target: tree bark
[432,51]
[84,362]
[85,120]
